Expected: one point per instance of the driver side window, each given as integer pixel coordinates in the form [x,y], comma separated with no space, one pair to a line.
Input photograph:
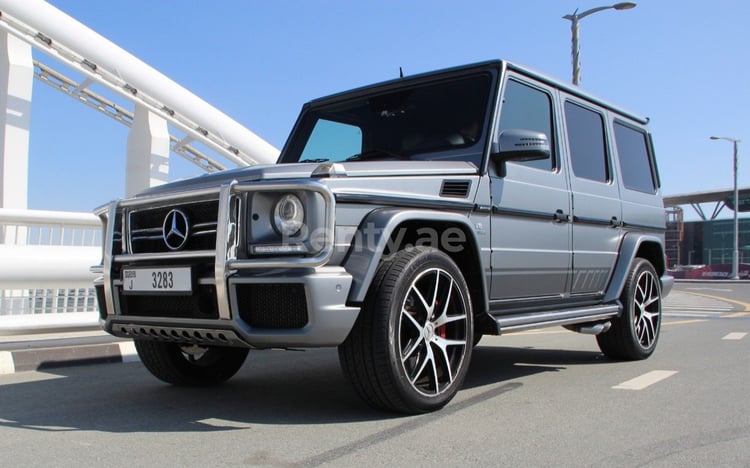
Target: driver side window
[527,108]
[332,141]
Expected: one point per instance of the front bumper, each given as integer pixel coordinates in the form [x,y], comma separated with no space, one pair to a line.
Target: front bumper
[309,310]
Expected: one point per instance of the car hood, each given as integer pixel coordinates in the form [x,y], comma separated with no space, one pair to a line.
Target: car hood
[316,170]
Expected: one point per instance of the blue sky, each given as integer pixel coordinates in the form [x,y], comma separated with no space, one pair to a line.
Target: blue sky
[682,63]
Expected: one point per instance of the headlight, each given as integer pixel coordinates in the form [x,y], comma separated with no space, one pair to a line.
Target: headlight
[288,215]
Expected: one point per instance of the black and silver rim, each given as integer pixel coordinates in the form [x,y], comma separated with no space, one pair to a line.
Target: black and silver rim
[647,309]
[433,338]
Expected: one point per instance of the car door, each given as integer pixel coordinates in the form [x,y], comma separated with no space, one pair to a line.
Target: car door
[530,229]
[597,210]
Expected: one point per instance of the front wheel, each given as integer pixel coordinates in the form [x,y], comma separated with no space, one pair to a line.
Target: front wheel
[410,347]
[635,332]
[190,366]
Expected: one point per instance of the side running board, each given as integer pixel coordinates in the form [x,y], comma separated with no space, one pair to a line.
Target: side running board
[563,317]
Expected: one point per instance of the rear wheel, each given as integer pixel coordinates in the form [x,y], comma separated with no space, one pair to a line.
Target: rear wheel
[187,365]
[635,332]
[410,348]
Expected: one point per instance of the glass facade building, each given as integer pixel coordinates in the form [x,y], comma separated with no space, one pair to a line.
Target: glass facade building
[710,242]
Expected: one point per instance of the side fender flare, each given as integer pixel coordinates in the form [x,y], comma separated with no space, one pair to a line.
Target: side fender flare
[631,243]
[373,236]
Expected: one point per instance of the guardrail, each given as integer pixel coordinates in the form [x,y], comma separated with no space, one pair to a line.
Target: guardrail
[45,280]
[38,227]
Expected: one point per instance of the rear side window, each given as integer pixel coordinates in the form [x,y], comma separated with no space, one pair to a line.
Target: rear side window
[588,150]
[635,163]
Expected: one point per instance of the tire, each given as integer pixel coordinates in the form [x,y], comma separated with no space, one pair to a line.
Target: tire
[171,363]
[634,334]
[410,348]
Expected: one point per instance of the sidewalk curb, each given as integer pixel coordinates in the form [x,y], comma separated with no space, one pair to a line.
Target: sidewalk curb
[66,356]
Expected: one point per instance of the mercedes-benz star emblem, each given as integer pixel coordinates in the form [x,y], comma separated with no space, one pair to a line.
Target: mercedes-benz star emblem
[175,229]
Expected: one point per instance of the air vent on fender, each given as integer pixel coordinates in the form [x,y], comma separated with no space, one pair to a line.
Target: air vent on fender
[455,188]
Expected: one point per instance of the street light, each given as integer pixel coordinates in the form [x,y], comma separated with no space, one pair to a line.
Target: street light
[574,19]
[736,243]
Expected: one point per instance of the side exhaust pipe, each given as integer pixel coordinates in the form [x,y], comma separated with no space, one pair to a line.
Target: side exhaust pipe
[590,328]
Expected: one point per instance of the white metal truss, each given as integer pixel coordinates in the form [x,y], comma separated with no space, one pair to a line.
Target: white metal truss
[110,80]
[82,93]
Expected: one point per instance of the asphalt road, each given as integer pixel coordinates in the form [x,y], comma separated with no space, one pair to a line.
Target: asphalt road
[543,398]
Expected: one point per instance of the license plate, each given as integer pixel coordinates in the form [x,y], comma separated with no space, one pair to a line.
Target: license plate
[158,280]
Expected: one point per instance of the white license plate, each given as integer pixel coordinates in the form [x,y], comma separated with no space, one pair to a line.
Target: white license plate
[158,280]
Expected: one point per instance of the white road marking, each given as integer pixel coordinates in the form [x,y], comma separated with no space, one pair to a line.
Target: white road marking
[645,380]
[735,336]
[678,310]
[712,309]
[684,314]
[128,352]
[7,366]
[224,423]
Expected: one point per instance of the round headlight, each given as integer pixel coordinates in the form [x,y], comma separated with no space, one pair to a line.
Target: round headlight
[288,215]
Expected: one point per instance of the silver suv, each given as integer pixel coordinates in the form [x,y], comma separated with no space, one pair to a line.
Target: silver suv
[402,222]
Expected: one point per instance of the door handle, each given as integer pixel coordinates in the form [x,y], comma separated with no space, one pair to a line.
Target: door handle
[559,216]
[614,222]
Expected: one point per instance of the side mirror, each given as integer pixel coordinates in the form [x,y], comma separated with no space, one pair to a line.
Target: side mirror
[520,145]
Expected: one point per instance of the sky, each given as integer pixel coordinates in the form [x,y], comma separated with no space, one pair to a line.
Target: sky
[682,63]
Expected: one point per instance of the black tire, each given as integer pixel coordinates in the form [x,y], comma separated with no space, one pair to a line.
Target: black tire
[418,306]
[634,334]
[170,363]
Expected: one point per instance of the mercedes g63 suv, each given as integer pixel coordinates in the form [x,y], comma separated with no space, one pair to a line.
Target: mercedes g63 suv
[402,222]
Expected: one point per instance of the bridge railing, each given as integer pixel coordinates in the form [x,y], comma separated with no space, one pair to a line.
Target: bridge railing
[44,269]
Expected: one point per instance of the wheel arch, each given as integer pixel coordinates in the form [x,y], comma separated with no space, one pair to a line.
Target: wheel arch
[386,230]
[635,245]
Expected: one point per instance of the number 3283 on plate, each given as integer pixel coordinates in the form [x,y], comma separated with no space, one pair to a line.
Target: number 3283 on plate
[157,280]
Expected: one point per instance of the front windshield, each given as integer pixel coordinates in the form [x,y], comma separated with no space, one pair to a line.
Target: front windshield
[434,121]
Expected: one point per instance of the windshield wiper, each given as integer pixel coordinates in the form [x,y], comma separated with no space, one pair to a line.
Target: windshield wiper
[374,154]
[317,160]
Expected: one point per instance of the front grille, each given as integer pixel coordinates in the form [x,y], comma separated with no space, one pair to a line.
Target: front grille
[272,306]
[146,227]
[201,305]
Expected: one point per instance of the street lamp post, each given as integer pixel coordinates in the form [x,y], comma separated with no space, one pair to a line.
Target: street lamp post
[736,239]
[574,18]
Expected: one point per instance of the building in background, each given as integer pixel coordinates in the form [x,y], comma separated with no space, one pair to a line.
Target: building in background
[703,248]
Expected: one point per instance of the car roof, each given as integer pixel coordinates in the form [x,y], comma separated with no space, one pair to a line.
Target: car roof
[496,66]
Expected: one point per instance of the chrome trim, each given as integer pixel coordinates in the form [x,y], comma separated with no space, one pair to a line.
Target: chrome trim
[223,252]
[157,232]
[176,216]
[436,203]
[540,215]
[164,256]
[155,201]
[645,227]
[205,225]
[109,298]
